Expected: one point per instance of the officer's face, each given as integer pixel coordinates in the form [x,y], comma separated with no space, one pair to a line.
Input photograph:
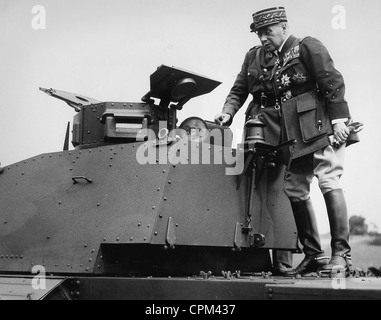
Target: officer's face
[272,36]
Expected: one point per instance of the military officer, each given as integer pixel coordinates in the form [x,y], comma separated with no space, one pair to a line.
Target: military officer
[300,95]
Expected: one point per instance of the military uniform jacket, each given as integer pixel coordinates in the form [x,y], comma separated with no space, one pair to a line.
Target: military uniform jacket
[298,93]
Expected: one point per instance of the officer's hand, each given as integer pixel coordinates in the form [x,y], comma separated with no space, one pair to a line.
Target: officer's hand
[222,119]
[341,132]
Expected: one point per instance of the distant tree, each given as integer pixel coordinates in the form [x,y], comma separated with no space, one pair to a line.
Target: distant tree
[357,225]
[373,229]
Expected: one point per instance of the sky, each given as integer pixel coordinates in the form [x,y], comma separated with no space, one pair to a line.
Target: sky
[108,49]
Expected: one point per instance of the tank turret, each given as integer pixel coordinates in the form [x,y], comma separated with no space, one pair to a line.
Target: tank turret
[105,123]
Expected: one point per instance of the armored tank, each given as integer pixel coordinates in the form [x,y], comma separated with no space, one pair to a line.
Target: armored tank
[144,208]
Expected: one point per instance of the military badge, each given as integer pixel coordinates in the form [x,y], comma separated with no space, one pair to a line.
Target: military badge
[288,95]
[286,80]
[299,78]
[293,53]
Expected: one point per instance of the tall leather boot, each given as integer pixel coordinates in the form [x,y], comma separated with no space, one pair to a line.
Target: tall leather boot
[309,238]
[338,220]
[282,262]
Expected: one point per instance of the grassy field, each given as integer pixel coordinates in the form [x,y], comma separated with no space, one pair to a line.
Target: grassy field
[364,254]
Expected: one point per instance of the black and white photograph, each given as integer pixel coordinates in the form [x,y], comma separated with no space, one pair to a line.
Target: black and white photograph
[190,155]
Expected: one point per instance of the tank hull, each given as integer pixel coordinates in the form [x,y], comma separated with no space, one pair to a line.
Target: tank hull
[84,211]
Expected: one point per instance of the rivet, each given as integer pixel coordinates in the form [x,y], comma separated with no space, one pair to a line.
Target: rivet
[154,207]
[161,215]
[117,239]
[104,239]
[90,259]
[145,238]
[48,237]
[177,224]
[155,233]
[132,238]
[92,250]
[59,202]
[98,204]
[22,173]
[158,189]
[169,182]
[139,224]
[148,226]
[85,245]
[111,158]
[87,269]
[110,165]
[165,198]
[5,222]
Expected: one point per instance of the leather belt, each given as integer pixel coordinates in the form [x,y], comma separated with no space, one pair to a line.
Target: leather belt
[269,100]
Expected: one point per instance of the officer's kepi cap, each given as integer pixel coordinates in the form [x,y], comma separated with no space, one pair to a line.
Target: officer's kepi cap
[267,17]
